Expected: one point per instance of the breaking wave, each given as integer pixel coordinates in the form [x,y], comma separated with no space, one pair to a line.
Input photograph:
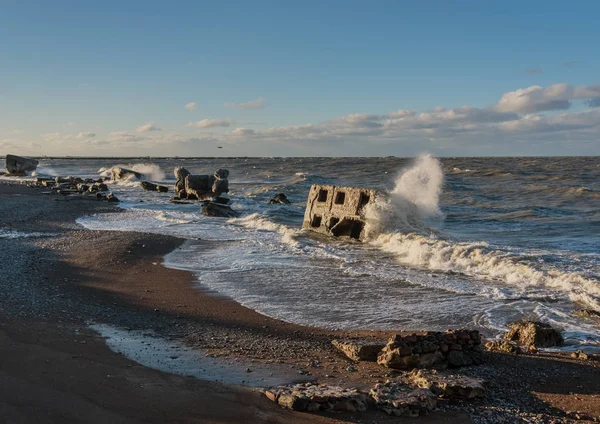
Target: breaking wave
[258,222]
[151,171]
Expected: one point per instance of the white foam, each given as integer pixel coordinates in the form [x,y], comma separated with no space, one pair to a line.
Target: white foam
[13,234]
[258,222]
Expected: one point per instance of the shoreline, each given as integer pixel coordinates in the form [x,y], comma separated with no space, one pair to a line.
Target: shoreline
[111,277]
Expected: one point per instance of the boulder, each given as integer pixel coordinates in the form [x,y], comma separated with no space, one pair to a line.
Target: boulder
[359,350]
[218,210]
[220,186]
[279,198]
[146,185]
[111,198]
[531,333]
[221,174]
[17,165]
[118,173]
[448,386]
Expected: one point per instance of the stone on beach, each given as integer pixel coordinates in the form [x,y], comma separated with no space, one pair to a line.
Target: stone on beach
[359,350]
[448,386]
[118,173]
[311,397]
[217,210]
[503,346]
[17,165]
[396,398]
[531,333]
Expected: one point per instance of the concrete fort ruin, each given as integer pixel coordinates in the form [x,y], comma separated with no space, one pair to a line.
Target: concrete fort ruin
[337,211]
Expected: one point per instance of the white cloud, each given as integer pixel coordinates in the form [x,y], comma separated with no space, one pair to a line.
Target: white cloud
[259,103]
[123,136]
[191,106]
[540,99]
[150,126]
[242,132]
[210,123]
[84,135]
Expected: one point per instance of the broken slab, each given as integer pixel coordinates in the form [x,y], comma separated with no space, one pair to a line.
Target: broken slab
[17,165]
[312,397]
[279,198]
[337,211]
[532,333]
[146,185]
[396,398]
[218,210]
[448,386]
[118,173]
[359,350]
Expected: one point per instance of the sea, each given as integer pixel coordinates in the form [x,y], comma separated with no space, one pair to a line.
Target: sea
[455,243]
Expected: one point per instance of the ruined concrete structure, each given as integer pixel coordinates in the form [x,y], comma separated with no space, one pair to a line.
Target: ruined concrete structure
[337,211]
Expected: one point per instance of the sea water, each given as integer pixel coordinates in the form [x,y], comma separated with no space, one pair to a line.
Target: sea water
[458,242]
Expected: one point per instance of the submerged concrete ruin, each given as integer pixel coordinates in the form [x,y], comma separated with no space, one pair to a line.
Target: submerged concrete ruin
[19,166]
[337,211]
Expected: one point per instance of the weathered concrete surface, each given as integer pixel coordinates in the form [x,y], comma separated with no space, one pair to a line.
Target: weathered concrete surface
[154,187]
[200,187]
[313,397]
[337,211]
[17,165]
[398,399]
[359,350]
[449,386]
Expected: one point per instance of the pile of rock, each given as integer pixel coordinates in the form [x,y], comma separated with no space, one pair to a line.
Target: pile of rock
[19,166]
[200,187]
[313,397]
[453,348]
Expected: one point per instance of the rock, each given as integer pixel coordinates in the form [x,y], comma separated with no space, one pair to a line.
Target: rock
[396,398]
[279,198]
[221,174]
[146,185]
[503,346]
[118,173]
[312,397]
[220,186]
[447,385]
[358,350]
[111,198]
[221,200]
[216,209]
[580,354]
[17,165]
[538,334]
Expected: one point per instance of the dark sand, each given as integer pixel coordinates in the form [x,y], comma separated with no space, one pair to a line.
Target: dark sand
[54,369]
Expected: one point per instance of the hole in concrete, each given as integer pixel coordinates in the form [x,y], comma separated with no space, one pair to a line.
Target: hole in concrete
[340,198]
[322,196]
[316,221]
[363,200]
[348,228]
[333,221]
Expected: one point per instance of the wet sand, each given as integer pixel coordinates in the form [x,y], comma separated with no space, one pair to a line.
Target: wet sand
[55,369]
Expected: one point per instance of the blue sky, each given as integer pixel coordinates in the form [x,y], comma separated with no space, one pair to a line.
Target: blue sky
[281,78]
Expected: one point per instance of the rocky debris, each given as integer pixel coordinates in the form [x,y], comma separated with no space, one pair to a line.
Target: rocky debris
[311,397]
[531,333]
[396,398]
[146,185]
[587,313]
[180,174]
[218,210]
[359,350]
[118,173]
[200,187]
[434,349]
[19,166]
[503,346]
[279,198]
[448,386]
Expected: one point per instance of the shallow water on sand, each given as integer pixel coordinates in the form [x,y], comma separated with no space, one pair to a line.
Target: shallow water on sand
[475,242]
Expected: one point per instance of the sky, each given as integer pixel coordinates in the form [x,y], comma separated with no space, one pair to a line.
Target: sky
[310,78]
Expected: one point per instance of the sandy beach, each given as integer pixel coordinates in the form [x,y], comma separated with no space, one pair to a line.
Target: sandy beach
[54,368]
